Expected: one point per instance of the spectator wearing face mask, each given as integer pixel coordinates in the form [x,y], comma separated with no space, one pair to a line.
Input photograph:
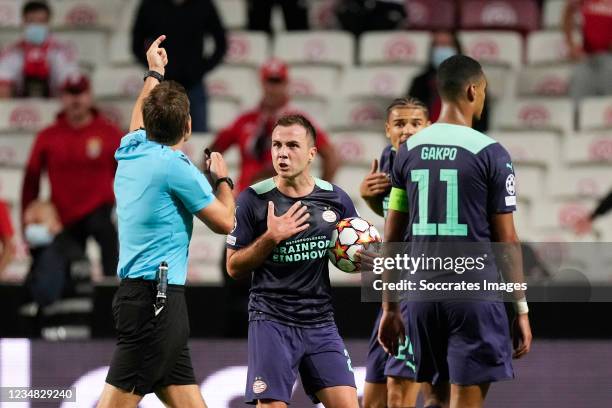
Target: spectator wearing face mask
[36,65]
[444,44]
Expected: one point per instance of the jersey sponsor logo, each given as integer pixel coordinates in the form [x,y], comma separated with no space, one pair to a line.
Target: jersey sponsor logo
[511,200]
[438,153]
[510,184]
[304,249]
[231,240]
[259,385]
[329,216]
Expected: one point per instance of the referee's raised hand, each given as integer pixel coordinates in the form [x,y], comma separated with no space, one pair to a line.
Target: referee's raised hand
[157,57]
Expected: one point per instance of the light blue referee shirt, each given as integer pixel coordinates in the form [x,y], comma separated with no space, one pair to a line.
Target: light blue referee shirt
[157,191]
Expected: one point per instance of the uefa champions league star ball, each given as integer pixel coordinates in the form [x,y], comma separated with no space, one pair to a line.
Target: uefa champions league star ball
[349,237]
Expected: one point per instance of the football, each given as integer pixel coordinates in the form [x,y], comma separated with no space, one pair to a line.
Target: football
[349,237]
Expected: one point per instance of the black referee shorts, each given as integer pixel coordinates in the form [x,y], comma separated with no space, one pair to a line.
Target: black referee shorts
[151,351]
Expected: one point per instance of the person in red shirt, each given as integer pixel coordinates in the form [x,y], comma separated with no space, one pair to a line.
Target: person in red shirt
[593,72]
[252,130]
[7,252]
[77,152]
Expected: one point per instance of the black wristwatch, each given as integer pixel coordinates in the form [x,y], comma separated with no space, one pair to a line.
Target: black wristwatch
[153,74]
[227,180]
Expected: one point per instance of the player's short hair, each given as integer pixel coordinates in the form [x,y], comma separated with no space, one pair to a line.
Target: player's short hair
[455,73]
[408,102]
[300,120]
[35,5]
[165,113]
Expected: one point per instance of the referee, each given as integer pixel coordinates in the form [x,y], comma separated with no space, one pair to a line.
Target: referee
[158,190]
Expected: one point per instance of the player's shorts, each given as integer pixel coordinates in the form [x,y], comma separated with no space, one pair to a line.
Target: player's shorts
[278,351]
[151,350]
[464,343]
[379,364]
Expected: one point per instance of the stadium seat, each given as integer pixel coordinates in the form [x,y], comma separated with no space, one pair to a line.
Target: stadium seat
[241,84]
[431,14]
[595,113]
[28,115]
[529,183]
[120,50]
[534,114]
[125,14]
[592,182]
[384,82]
[15,149]
[313,82]
[493,47]
[587,149]
[89,46]
[533,148]
[233,13]
[552,15]
[334,48]
[544,81]
[349,177]
[559,213]
[247,48]
[546,47]
[10,13]
[501,81]
[221,113]
[117,82]
[395,47]
[355,115]
[316,109]
[118,111]
[359,148]
[11,181]
[520,15]
[83,14]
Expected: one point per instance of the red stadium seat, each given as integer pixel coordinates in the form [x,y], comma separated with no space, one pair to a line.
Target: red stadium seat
[520,15]
[431,14]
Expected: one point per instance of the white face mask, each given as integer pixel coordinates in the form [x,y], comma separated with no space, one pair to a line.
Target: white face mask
[35,33]
[441,53]
[38,235]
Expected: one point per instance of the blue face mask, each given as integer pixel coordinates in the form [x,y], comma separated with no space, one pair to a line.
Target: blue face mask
[440,54]
[36,33]
[38,235]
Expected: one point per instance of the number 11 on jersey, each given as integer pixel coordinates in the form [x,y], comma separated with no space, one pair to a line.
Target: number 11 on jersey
[451,227]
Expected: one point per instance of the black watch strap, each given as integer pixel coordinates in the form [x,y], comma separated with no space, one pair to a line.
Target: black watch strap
[153,74]
[227,180]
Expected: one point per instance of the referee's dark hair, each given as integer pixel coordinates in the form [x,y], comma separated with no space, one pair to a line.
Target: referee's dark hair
[297,119]
[455,74]
[165,113]
[36,5]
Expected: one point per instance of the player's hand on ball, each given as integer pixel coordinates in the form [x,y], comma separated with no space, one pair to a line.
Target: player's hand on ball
[521,336]
[157,58]
[391,331]
[375,183]
[288,224]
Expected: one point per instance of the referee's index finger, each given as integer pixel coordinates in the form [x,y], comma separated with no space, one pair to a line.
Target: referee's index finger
[159,40]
